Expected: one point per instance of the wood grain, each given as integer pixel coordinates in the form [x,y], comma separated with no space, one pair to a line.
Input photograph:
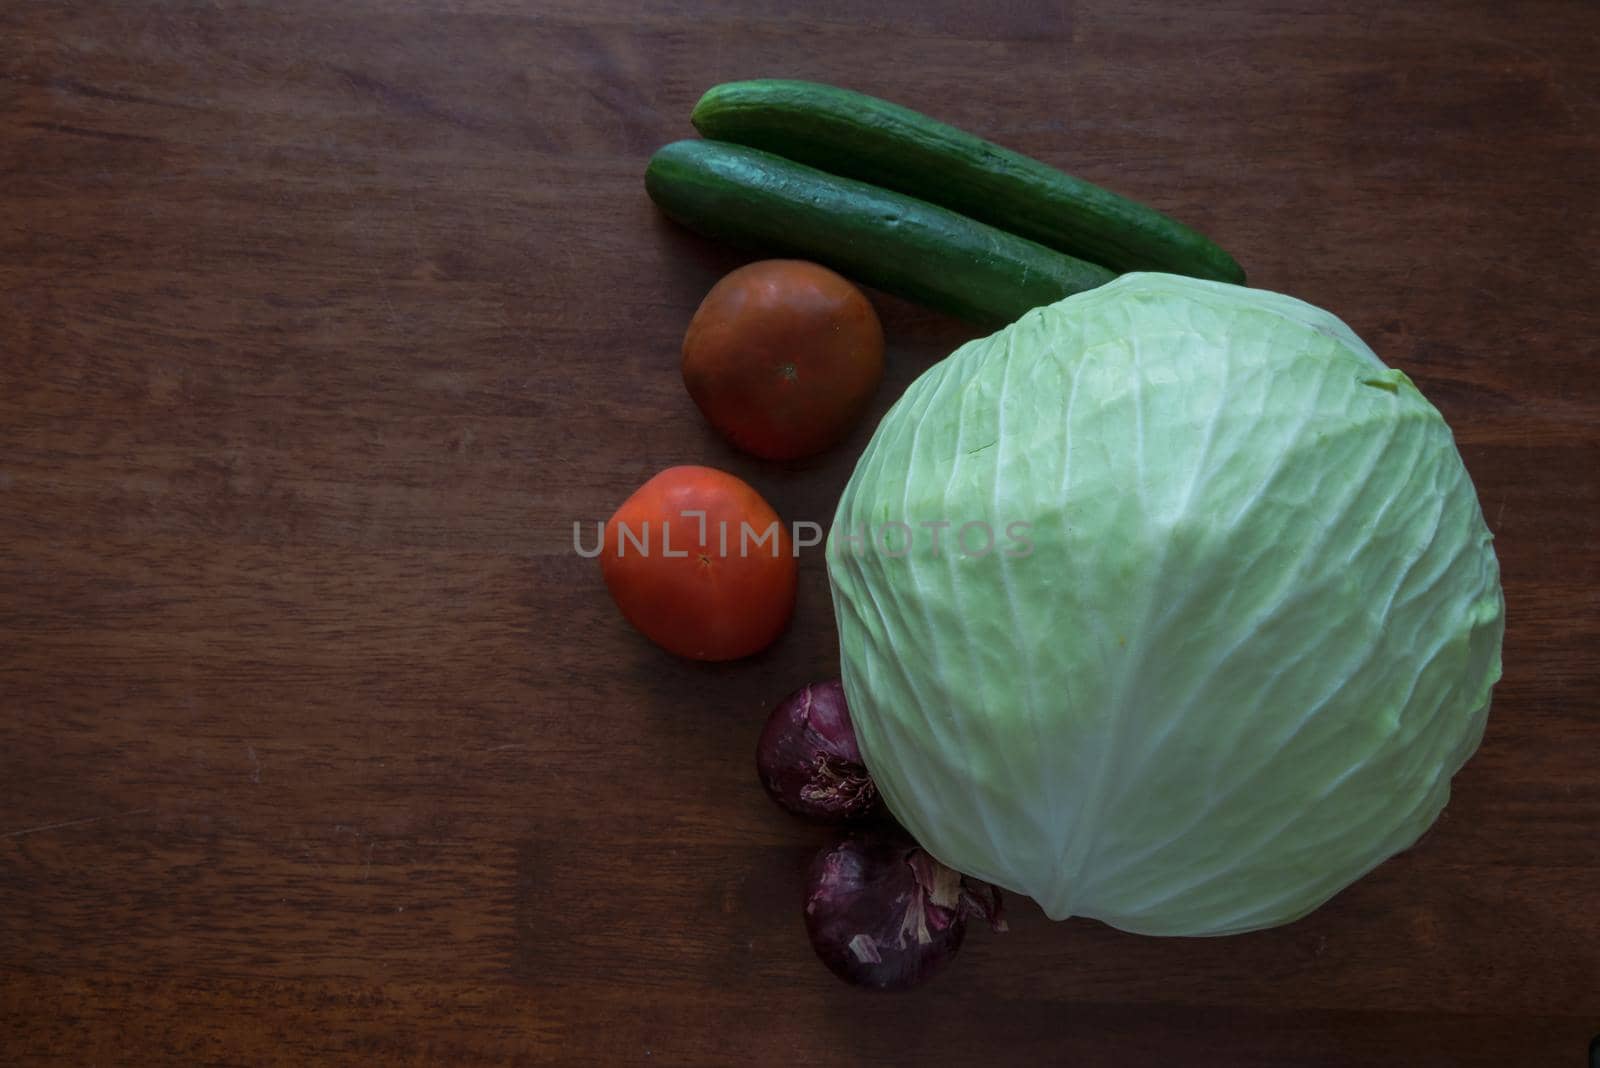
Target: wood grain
[321,323]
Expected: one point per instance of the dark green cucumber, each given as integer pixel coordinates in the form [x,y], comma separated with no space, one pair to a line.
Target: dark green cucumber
[897,243]
[871,140]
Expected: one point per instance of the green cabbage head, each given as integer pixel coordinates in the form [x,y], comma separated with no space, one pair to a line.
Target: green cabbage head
[1235,628]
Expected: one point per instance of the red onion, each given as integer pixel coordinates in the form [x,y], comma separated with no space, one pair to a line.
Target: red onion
[808,758]
[882,913]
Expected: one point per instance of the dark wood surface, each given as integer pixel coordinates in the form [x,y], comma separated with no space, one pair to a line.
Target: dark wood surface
[320,323]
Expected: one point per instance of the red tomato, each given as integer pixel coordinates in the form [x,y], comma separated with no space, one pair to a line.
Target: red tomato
[783,357]
[700,564]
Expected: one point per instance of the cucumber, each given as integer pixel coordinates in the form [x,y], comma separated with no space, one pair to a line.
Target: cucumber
[871,140]
[897,243]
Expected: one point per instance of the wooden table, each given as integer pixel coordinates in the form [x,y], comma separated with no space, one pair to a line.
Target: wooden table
[321,323]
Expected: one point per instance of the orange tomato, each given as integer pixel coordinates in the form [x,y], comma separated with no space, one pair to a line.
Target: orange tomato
[783,357]
[700,564]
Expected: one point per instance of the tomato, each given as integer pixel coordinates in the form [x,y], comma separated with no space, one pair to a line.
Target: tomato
[700,564]
[783,357]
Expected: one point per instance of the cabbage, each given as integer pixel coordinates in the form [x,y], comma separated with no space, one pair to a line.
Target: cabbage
[1235,628]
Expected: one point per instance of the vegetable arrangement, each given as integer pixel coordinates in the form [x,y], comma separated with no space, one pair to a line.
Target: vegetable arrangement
[1245,616]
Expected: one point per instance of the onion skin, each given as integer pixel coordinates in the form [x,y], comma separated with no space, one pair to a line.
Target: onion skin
[808,758]
[883,914]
